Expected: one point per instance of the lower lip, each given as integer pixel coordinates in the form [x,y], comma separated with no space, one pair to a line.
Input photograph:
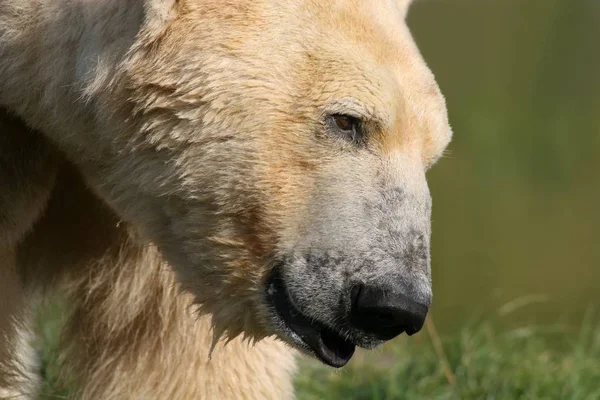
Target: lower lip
[325,344]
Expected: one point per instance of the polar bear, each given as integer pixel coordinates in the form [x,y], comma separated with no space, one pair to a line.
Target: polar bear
[213,186]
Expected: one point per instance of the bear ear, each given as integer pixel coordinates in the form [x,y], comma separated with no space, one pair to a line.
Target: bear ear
[160,9]
[404,5]
[157,13]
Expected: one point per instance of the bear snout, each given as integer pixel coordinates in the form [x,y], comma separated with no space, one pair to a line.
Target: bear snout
[326,306]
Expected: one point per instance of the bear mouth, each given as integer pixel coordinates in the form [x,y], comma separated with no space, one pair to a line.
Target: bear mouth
[309,335]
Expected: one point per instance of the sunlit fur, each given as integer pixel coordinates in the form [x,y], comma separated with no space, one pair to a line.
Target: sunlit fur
[191,133]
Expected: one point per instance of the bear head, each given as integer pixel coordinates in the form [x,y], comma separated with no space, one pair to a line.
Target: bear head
[275,152]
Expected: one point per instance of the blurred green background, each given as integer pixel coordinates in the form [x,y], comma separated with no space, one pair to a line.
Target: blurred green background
[517,199]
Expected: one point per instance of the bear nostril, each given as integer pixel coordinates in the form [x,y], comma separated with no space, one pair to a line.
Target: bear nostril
[385,313]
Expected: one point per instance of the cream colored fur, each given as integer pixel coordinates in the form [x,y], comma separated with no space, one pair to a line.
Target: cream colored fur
[153,158]
[131,335]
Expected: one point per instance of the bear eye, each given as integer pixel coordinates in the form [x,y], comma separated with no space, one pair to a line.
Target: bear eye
[348,126]
[345,122]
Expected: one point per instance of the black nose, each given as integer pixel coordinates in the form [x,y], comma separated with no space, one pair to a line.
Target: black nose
[386,313]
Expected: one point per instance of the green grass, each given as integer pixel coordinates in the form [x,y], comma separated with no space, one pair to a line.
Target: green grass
[51,320]
[478,362]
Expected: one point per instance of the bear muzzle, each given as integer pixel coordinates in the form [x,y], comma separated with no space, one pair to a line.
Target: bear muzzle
[367,316]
